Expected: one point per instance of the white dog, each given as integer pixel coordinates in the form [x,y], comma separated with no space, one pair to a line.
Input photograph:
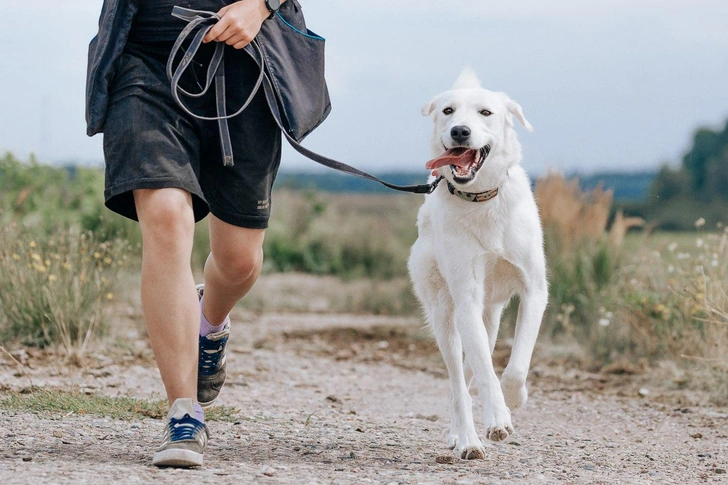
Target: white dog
[480,242]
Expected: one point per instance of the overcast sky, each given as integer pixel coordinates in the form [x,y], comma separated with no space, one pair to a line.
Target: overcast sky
[607,85]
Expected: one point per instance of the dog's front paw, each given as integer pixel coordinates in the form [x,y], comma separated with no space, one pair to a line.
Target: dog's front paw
[499,424]
[514,391]
[466,447]
[472,452]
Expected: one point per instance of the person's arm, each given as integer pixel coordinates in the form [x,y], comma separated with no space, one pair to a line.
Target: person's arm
[239,23]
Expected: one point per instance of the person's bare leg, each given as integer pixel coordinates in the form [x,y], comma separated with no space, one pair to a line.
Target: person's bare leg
[231,269]
[169,299]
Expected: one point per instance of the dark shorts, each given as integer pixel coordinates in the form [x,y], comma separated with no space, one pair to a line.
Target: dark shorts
[151,143]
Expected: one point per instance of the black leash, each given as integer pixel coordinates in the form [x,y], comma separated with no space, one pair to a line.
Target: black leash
[205,20]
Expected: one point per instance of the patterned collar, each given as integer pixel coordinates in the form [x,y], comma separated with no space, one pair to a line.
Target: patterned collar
[472,197]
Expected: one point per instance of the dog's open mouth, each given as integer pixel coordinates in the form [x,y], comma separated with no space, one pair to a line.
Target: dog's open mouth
[464,162]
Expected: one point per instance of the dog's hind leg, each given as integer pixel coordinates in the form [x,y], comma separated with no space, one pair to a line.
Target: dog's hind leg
[530,313]
[492,319]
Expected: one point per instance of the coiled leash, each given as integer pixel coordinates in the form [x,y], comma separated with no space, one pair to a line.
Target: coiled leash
[204,21]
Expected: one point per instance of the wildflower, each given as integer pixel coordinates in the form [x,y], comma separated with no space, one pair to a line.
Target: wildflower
[35,256]
[661,311]
[699,223]
[32,244]
[714,263]
[47,262]
[52,277]
[16,257]
[670,268]
[699,243]
[107,260]
[97,255]
[40,268]
[604,322]
[672,247]
[109,296]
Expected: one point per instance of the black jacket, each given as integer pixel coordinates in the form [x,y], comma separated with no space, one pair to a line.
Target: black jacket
[308,108]
[103,56]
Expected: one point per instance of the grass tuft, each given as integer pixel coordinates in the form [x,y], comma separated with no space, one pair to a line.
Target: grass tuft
[57,402]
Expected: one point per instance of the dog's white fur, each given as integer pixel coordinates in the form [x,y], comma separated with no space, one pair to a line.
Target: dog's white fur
[471,257]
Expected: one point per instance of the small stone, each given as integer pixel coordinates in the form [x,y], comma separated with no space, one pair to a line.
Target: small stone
[30,458]
[719,471]
[696,436]
[332,398]
[644,392]
[445,459]
[57,433]
[268,471]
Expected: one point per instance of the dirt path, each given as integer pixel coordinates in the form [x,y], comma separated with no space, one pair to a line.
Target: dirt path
[344,399]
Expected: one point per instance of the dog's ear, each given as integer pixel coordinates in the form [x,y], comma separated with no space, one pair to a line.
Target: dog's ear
[516,110]
[428,108]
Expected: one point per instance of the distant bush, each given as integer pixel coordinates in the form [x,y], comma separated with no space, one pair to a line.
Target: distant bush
[350,236]
[698,186]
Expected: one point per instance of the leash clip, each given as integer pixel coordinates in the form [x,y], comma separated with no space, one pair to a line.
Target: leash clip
[434,185]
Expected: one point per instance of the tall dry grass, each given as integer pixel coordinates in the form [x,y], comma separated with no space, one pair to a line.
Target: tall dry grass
[583,257]
[647,302]
[54,289]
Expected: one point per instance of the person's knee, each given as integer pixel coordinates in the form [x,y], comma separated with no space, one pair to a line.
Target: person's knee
[238,267]
[166,217]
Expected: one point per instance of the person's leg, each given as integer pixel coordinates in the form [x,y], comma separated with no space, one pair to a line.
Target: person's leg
[233,266]
[169,299]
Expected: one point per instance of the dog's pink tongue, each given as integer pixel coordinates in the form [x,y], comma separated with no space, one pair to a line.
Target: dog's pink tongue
[460,157]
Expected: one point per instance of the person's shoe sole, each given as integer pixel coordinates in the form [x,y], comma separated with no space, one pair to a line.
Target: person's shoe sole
[177,458]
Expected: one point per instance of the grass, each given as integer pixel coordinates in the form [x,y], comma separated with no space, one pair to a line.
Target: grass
[66,403]
[53,289]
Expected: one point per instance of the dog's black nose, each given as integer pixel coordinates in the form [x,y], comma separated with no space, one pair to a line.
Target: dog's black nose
[460,133]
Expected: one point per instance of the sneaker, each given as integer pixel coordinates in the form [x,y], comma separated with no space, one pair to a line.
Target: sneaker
[185,438]
[211,363]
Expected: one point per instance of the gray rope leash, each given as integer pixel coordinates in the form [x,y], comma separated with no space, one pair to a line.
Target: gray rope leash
[215,72]
[204,21]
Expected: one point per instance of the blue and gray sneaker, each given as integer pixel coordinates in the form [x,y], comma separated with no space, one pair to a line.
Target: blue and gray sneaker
[211,363]
[185,438]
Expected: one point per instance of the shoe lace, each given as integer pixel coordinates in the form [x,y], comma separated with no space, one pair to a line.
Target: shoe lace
[211,352]
[184,428]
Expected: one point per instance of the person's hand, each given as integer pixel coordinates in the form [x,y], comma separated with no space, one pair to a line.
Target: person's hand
[239,23]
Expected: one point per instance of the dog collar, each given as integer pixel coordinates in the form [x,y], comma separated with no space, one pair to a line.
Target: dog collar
[472,197]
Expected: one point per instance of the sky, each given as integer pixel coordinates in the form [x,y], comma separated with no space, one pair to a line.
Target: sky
[609,85]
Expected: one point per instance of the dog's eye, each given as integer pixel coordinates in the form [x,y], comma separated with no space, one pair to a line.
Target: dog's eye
[485,112]
[448,111]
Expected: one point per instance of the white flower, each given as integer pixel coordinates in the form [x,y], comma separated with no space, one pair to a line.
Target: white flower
[604,322]
[670,268]
[699,243]
[672,247]
[699,223]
